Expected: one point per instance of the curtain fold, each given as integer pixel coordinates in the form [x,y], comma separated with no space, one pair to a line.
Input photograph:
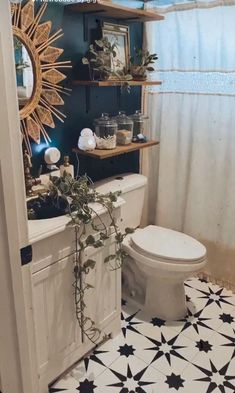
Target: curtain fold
[193,173]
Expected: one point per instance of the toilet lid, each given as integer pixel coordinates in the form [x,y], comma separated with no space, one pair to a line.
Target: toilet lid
[154,241]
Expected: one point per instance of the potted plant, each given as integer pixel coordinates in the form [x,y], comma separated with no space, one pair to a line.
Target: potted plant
[99,59]
[141,63]
[76,198]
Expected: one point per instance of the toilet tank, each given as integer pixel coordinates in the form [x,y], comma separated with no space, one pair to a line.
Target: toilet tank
[132,187]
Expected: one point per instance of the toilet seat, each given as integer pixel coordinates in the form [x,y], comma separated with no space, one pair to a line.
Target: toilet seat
[166,245]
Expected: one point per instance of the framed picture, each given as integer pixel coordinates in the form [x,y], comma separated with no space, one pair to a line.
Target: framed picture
[118,34]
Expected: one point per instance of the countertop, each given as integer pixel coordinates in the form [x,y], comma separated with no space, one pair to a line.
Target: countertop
[42,229]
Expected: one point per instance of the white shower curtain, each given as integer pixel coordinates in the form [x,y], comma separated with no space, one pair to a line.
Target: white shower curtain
[192,174]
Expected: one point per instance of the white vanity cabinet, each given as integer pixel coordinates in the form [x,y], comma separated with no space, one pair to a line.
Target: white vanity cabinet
[56,338]
[104,298]
[57,335]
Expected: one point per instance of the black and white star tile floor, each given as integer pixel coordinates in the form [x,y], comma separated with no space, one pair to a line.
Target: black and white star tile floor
[196,354]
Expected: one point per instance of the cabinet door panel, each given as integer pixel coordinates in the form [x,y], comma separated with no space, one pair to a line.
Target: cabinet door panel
[56,328]
[104,299]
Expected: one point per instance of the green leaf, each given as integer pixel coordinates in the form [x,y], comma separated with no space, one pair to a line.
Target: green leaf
[90,240]
[129,230]
[150,69]
[99,43]
[119,237]
[128,77]
[112,197]
[85,61]
[89,286]
[81,244]
[64,188]
[103,236]
[110,258]
[89,264]
[98,244]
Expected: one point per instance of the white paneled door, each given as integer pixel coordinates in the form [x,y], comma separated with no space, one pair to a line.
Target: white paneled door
[15,368]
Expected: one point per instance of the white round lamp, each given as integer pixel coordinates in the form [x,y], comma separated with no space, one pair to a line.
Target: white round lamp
[52,156]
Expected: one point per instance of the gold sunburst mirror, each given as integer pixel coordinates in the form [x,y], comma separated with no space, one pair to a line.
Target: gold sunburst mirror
[37,72]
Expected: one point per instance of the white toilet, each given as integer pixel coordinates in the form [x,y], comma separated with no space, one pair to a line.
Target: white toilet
[165,257]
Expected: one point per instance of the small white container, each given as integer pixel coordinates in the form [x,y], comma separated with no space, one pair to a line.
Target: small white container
[86,140]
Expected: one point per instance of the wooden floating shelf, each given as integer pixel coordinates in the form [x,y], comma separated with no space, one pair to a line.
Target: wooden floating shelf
[108,9]
[115,83]
[102,154]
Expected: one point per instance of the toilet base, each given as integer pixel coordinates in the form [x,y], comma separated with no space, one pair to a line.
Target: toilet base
[165,299]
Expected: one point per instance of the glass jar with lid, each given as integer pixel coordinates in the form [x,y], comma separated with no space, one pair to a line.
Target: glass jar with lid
[140,123]
[105,132]
[125,128]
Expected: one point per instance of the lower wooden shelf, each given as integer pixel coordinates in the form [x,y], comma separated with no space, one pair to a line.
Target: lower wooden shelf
[112,82]
[102,154]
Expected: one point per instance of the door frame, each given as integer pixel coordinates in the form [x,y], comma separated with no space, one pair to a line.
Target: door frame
[15,362]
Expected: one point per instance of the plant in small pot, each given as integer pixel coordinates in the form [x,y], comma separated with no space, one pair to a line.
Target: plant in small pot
[99,59]
[142,63]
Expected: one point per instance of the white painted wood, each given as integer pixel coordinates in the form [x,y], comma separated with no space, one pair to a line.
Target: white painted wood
[48,251]
[39,337]
[41,290]
[43,229]
[31,335]
[54,316]
[11,379]
[14,354]
[104,299]
[54,332]
[10,127]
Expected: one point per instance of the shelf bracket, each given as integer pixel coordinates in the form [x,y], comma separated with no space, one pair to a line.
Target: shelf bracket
[119,97]
[88,99]
[85,27]
[85,16]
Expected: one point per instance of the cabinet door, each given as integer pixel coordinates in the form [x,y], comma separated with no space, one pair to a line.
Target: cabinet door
[103,301]
[56,329]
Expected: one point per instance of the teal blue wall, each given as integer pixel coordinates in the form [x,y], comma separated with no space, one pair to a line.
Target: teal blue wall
[65,136]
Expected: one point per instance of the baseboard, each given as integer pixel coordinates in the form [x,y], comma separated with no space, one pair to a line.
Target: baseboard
[222,283]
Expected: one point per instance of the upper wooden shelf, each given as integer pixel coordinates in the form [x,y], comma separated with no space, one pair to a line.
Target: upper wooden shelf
[115,83]
[101,154]
[111,10]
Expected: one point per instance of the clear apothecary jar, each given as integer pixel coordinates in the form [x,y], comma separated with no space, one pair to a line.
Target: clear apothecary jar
[140,123]
[105,132]
[125,128]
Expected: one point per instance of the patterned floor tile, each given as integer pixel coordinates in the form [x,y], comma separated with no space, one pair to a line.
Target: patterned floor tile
[196,354]
[94,364]
[54,390]
[170,351]
[151,326]
[197,324]
[213,299]
[131,375]
[130,322]
[64,384]
[207,375]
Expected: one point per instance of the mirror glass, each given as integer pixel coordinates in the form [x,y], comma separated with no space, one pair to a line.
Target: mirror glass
[24,73]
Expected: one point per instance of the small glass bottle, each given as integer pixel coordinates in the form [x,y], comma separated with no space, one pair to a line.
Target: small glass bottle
[105,132]
[125,128]
[66,167]
[140,123]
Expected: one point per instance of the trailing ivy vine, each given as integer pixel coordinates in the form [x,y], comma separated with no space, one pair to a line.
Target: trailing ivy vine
[78,195]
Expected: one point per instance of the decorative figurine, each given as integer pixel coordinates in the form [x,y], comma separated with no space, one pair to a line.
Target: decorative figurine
[86,140]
